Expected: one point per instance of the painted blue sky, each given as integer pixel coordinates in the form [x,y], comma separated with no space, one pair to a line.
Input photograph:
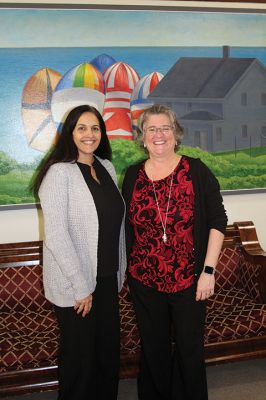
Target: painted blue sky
[94,28]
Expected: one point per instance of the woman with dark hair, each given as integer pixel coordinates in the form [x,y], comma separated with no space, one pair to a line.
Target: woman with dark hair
[175,228]
[83,255]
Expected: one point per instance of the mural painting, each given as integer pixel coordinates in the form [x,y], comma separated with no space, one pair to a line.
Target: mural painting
[218,91]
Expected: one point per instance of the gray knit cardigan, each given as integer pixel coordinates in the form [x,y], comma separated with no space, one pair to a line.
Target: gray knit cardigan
[71,235]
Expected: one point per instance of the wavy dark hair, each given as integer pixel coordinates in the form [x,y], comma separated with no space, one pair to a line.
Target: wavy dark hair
[65,149]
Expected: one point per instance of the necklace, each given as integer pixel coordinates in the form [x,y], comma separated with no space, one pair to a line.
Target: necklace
[164,224]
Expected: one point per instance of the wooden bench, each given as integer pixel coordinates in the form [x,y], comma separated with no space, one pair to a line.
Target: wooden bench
[235,323]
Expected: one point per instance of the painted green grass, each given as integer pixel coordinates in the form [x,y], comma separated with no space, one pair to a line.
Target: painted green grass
[244,170]
[14,187]
[253,152]
[233,172]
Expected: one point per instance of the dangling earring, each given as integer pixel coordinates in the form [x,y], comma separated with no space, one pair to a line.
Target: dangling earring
[144,145]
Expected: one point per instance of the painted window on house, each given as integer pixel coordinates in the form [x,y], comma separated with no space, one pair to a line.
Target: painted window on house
[244,130]
[218,134]
[244,99]
[263,136]
[197,139]
[263,99]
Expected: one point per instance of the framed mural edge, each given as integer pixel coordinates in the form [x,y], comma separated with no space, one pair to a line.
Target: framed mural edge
[166,5]
[208,112]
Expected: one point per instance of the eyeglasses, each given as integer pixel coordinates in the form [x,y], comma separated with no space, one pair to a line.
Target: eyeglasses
[165,129]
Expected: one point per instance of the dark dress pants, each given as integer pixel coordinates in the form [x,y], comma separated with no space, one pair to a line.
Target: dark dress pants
[88,361]
[166,374]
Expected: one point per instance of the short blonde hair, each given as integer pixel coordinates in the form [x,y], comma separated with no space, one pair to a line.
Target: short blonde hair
[156,109]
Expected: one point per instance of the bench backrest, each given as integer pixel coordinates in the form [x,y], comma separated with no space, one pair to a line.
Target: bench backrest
[21,286]
[21,271]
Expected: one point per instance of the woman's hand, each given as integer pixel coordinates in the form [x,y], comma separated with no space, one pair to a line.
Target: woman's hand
[83,305]
[205,287]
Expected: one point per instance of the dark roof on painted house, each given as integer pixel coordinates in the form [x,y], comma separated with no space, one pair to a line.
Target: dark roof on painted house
[201,77]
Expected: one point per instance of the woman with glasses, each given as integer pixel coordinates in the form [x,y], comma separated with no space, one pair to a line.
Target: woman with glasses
[83,255]
[175,229]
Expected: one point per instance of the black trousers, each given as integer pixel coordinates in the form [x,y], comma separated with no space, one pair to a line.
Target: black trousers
[88,361]
[166,374]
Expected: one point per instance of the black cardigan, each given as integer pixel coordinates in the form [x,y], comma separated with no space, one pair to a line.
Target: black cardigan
[209,209]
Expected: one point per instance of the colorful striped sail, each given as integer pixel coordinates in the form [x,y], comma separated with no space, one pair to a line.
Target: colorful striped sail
[82,84]
[83,75]
[39,127]
[120,80]
[139,99]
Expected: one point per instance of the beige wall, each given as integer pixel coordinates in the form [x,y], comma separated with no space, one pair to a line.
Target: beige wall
[27,225]
[24,225]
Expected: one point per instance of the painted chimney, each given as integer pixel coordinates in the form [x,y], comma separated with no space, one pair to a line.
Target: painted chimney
[226,51]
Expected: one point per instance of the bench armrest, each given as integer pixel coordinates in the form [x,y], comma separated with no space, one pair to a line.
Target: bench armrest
[254,255]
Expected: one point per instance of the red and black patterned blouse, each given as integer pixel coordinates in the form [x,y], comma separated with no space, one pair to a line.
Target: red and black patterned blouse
[167,267]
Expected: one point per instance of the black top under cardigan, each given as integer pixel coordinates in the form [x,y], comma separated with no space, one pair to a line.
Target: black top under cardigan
[209,210]
[110,209]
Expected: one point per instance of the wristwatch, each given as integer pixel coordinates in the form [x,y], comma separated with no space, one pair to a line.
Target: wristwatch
[208,270]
